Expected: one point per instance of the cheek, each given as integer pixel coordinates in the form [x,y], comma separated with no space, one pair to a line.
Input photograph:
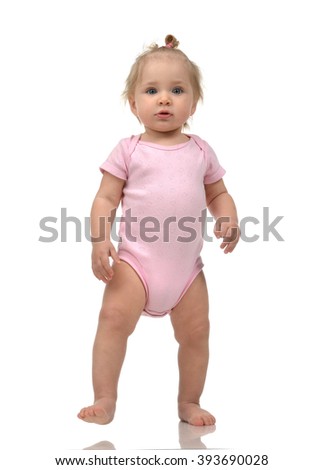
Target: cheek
[193,109]
[188,109]
[136,106]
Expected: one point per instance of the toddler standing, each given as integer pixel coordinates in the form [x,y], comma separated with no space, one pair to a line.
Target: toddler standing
[165,180]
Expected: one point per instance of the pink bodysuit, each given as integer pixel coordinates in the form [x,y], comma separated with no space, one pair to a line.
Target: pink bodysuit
[164,211]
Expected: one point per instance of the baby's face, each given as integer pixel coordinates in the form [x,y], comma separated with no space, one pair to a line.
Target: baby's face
[164,98]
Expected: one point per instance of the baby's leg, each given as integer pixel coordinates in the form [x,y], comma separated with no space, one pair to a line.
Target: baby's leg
[191,328]
[122,305]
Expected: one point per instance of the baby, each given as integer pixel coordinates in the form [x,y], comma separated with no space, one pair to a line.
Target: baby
[165,180]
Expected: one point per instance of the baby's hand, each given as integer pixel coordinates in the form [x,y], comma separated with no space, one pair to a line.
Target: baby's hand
[229,231]
[101,268]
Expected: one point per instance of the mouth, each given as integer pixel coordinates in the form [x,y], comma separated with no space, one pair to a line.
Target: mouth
[163,114]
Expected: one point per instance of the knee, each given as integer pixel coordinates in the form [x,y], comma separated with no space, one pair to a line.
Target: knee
[195,333]
[116,320]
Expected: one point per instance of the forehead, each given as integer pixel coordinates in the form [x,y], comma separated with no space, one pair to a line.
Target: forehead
[156,66]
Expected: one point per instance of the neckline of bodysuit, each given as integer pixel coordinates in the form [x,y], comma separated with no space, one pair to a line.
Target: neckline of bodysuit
[164,147]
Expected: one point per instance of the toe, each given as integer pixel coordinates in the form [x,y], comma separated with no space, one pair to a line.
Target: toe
[209,420]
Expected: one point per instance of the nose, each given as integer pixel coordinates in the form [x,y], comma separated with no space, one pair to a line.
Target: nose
[164,98]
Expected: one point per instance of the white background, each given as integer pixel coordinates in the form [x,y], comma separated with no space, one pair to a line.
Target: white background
[63,66]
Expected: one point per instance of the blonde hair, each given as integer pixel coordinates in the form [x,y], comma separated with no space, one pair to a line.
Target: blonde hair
[170,48]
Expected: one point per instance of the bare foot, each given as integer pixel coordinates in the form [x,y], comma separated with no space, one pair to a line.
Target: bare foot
[101,412]
[192,414]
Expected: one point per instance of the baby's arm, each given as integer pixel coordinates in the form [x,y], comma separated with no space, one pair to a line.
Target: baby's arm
[102,217]
[222,208]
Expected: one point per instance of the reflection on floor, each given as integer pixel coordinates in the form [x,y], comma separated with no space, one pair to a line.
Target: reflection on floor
[189,438]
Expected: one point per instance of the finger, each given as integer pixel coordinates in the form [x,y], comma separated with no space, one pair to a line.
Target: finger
[102,269]
[225,231]
[106,270]
[100,276]
[228,247]
[220,233]
[222,223]
[224,245]
[231,234]
[104,279]
[217,230]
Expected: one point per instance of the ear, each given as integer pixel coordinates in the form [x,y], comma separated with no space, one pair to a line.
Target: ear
[132,105]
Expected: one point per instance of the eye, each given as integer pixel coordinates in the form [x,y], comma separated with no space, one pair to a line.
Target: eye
[177,90]
[151,91]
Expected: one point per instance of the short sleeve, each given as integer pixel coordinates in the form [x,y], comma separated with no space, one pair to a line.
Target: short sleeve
[214,171]
[117,161]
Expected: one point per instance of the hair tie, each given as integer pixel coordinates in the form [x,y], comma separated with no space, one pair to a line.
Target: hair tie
[169,45]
